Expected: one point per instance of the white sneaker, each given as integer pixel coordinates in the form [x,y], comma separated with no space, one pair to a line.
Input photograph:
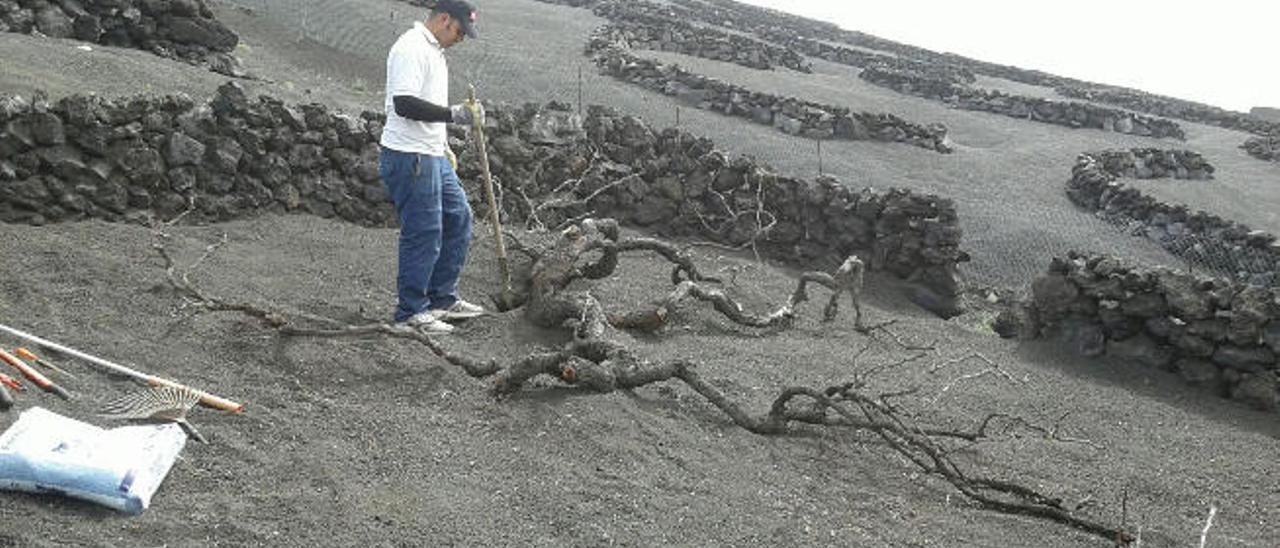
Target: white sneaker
[460,310]
[428,322]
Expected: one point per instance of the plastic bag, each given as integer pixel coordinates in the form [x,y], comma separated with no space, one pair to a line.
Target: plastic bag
[121,468]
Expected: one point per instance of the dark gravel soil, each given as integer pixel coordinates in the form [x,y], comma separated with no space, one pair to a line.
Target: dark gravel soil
[378,443]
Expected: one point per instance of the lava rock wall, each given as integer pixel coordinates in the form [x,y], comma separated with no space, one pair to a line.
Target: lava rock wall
[789,115]
[1264,148]
[644,25]
[1231,248]
[1070,114]
[139,158]
[178,29]
[1220,335]
[1170,107]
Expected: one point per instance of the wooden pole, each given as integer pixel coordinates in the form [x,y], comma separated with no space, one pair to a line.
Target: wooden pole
[494,219]
[819,141]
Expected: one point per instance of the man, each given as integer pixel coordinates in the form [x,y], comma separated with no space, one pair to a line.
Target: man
[417,168]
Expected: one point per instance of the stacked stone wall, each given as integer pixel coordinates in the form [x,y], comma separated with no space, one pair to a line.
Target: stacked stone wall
[644,25]
[117,159]
[131,159]
[1220,335]
[1170,107]
[803,35]
[1070,114]
[789,115]
[177,29]
[641,24]
[811,33]
[1153,163]
[819,39]
[1264,148]
[863,59]
[1250,256]
[780,30]
[778,42]
[679,185]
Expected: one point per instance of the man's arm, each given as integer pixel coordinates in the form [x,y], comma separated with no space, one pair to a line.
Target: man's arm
[414,108]
[417,109]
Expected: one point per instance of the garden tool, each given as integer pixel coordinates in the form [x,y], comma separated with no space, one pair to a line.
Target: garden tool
[506,299]
[157,403]
[29,356]
[34,376]
[11,382]
[206,399]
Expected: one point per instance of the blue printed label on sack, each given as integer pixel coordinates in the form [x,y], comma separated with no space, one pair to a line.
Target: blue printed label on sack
[127,482]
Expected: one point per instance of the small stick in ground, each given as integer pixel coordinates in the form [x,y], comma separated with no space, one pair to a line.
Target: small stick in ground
[1208,524]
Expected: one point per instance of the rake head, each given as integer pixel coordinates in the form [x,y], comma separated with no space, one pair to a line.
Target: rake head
[156,403]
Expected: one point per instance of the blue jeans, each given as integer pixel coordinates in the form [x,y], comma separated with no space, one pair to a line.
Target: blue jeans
[435,229]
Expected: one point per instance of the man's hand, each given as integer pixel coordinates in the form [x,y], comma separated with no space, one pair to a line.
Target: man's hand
[453,158]
[464,114]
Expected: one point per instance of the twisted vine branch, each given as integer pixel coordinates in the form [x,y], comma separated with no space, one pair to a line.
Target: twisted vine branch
[593,362]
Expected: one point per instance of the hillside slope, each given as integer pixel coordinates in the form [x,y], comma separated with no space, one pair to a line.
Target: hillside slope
[379,443]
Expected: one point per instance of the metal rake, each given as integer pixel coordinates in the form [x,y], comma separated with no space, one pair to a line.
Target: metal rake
[156,403]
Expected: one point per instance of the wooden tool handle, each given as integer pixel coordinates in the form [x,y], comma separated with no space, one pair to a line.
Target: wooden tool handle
[34,376]
[11,382]
[489,196]
[31,357]
[27,371]
[206,399]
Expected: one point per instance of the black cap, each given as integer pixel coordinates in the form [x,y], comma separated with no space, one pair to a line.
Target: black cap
[462,11]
